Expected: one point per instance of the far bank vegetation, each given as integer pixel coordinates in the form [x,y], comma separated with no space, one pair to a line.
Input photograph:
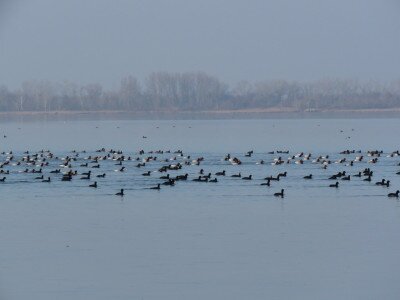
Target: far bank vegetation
[198,91]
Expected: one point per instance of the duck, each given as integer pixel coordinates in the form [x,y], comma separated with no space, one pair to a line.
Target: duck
[308,176]
[147,173]
[273,178]
[85,177]
[213,180]
[395,195]
[170,182]
[120,193]
[247,178]
[158,187]
[207,176]
[367,179]
[382,182]
[236,175]
[336,185]
[94,185]
[101,175]
[268,183]
[197,179]
[280,194]
[182,177]
[220,173]
[46,180]
[3,179]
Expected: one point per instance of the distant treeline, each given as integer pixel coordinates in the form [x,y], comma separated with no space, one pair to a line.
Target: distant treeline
[196,91]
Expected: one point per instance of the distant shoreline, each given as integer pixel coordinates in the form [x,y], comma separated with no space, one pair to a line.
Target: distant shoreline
[249,111]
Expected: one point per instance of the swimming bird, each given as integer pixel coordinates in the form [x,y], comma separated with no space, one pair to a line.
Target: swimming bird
[46,180]
[236,175]
[94,185]
[182,177]
[273,178]
[336,185]
[158,187]
[367,179]
[396,194]
[268,183]
[220,173]
[308,176]
[170,182]
[3,179]
[197,179]
[279,194]
[247,178]
[207,176]
[121,193]
[101,175]
[213,180]
[87,177]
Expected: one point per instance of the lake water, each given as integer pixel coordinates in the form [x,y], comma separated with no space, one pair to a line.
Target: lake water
[227,240]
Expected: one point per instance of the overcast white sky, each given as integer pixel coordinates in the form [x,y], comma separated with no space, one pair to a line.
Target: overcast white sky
[103,40]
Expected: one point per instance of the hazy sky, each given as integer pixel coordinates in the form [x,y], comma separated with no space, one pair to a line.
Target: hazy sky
[104,40]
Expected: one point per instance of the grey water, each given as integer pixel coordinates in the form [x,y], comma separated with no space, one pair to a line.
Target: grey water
[227,240]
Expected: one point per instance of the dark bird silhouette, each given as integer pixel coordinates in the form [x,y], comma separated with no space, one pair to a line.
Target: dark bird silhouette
[280,194]
[158,187]
[94,185]
[396,194]
[336,185]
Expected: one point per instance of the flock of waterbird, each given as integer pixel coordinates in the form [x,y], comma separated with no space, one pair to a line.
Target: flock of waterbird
[168,166]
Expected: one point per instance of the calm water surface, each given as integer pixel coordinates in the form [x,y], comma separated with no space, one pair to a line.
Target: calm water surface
[230,240]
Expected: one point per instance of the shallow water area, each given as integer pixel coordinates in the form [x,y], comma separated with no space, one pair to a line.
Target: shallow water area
[231,239]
